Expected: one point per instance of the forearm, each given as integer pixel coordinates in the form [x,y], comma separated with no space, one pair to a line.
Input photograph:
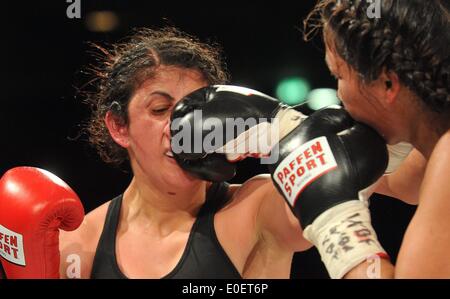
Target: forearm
[382,187]
[396,186]
[405,182]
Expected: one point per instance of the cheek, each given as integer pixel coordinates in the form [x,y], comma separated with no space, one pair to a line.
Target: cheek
[351,98]
[146,135]
[349,94]
[340,92]
[344,93]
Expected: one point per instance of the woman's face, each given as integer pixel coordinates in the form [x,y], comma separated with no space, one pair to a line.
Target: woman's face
[148,132]
[364,102]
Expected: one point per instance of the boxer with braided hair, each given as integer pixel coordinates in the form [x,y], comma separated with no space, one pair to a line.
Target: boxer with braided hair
[393,71]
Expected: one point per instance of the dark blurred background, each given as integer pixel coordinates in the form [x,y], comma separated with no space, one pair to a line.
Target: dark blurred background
[45,51]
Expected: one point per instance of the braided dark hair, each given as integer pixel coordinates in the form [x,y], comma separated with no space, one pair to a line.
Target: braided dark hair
[409,37]
[126,65]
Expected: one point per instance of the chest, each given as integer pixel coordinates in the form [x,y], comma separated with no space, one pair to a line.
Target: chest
[142,254]
[225,242]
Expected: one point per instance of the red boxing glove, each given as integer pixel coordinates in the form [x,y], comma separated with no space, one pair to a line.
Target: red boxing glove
[34,205]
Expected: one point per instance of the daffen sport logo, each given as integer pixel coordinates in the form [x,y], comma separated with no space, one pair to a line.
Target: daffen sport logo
[304,165]
[11,246]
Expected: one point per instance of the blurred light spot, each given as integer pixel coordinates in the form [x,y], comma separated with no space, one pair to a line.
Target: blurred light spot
[322,97]
[102,21]
[292,90]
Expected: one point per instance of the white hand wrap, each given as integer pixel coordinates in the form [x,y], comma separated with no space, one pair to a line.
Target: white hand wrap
[397,154]
[344,237]
[259,140]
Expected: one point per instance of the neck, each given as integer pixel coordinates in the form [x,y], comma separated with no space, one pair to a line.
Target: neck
[424,136]
[416,124]
[152,208]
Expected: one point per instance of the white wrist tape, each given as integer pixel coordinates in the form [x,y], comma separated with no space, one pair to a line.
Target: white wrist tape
[289,119]
[344,237]
[397,154]
[259,140]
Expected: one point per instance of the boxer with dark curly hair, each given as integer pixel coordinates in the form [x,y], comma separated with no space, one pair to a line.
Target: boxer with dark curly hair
[169,223]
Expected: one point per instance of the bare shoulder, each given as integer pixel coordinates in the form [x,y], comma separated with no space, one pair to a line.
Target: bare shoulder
[438,168]
[236,224]
[249,193]
[78,247]
[273,219]
[257,185]
[425,248]
[442,147]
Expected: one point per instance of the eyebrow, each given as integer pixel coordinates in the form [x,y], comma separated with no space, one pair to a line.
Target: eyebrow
[160,93]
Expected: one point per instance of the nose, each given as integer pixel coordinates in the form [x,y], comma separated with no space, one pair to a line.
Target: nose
[167,128]
[338,94]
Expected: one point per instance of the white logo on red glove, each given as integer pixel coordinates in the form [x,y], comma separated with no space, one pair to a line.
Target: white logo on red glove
[11,246]
[301,167]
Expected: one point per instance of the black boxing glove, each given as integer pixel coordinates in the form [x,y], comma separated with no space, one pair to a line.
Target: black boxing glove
[213,167]
[207,109]
[215,125]
[323,165]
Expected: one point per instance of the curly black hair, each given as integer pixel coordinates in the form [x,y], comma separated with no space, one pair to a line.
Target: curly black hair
[409,37]
[125,65]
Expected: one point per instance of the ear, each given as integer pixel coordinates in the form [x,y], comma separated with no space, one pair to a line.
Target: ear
[118,131]
[391,85]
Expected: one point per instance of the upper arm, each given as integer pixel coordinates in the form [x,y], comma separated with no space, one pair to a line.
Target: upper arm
[77,248]
[426,245]
[405,182]
[76,256]
[276,218]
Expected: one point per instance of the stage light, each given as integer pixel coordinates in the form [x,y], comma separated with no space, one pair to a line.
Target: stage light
[292,90]
[102,21]
[322,97]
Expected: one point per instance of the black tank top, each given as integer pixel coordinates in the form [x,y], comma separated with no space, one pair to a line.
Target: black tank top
[203,256]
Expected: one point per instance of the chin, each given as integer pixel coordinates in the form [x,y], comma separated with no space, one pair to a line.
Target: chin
[176,176]
[181,184]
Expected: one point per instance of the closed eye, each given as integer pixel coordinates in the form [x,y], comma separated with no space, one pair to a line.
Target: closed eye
[160,111]
[159,102]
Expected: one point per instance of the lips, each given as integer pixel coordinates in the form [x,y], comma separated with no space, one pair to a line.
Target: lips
[169,154]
